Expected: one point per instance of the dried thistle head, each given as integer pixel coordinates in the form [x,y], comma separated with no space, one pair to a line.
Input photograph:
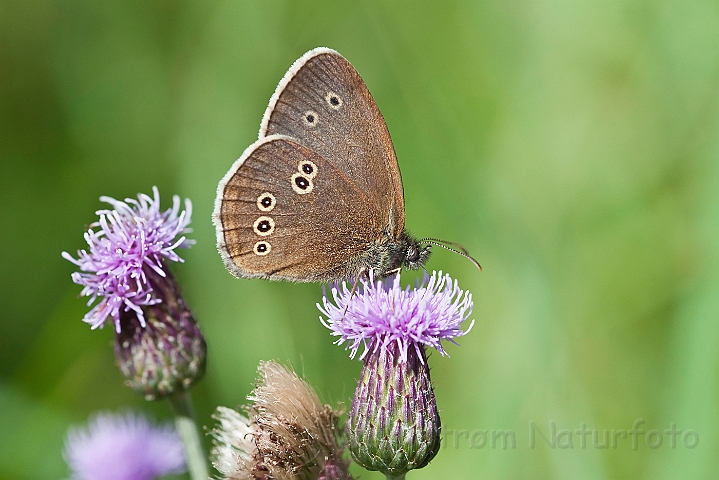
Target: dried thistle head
[287,434]
[234,454]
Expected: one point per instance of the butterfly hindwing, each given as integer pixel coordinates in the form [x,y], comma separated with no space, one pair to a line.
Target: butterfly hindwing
[283,211]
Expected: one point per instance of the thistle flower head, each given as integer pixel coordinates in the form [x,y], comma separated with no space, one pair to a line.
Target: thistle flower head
[379,313]
[123,447]
[124,243]
[158,345]
[288,433]
[394,423]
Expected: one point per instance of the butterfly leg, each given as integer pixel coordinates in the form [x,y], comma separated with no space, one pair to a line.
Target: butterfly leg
[354,289]
[393,271]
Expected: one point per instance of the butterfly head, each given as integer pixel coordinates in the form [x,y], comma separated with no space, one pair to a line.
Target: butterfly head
[390,256]
[416,254]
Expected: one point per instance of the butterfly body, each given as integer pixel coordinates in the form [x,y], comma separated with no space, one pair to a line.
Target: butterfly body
[318,197]
[388,255]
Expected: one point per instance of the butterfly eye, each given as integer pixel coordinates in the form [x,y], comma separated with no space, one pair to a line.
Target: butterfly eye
[310,118]
[333,100]
[308,168]
[264,226]
[301,184]
[262,248]
[266,202]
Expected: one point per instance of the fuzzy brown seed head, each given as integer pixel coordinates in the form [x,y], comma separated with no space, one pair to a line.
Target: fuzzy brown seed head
[288,433]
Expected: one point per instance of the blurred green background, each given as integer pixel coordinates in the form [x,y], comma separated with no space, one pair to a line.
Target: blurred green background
[571,146]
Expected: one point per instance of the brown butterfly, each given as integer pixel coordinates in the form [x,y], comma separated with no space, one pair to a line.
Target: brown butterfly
[319,196]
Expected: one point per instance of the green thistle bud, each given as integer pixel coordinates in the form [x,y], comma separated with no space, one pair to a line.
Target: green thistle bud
[394,423]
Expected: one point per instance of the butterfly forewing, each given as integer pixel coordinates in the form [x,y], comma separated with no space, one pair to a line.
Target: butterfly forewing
[323,103]
[285,212]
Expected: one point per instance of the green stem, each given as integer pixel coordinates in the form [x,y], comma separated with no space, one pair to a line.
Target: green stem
[187,428]
[395,477]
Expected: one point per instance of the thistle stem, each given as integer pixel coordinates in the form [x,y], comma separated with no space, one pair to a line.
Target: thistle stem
[187,428]
[395,477]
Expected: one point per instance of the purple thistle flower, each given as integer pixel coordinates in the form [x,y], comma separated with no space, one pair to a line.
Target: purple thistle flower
[123,447]
[379,313]
[132,237]
[158,344]
[394,423]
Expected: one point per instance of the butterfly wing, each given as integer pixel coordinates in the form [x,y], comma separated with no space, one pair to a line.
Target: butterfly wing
[323,103]
[285,212]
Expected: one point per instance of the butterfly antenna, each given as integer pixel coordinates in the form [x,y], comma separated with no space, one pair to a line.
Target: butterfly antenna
[455,247]
[445,242]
